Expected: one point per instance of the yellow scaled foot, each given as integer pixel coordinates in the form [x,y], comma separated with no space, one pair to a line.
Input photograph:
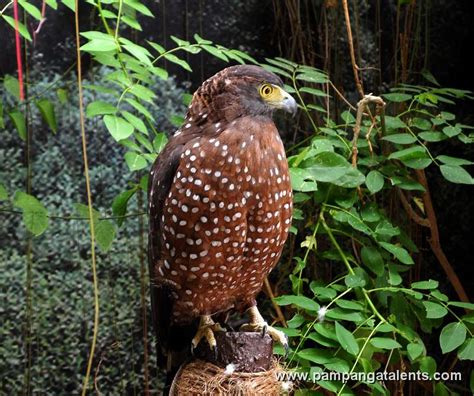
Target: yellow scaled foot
[258,324]
[206,330]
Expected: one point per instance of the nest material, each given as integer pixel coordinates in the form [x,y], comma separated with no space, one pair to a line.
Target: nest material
[204,378]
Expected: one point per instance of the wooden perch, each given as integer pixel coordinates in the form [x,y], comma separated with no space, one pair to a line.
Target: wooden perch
[247,352]
[243,366]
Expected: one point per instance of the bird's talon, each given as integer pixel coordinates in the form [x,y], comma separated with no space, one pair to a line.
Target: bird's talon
[264,330]
[287,348]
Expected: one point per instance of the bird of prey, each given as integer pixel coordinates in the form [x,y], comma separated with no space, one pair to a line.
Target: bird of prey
[220,206]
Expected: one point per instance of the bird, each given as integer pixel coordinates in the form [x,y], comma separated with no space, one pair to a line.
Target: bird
[220,209]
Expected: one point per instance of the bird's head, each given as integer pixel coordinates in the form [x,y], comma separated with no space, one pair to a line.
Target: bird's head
[242,90]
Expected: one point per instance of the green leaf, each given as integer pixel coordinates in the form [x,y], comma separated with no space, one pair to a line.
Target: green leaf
[302,180]
[157,47]
[12,86]
[173,58]
[434,310]
[159,142]
[99,107]
[19,122]
[35,215]
[374,181]
[200,40]
[104,234]
[215,52]
[139,52]
[314,355]
[466,352]
[71,4]
[372,258]
[135,161]
[406,183]
[62,95]
[460,304]
[446,159]
[334,168]
[452,336]
[346,339]
[118,127]
[354,280]
[394,123]
[451,131]
[428,76]
[456,174]
[400,253]
[119,205]
[132,22]
[3,193]
[313,91]
[384,343]
[140,108]
[348,304]
[53,4]
[337,364]
[397,97]
[421,123]
[400,138]
[432,136]
[413,157]
[425,285]
[344,314]
[138,6]
[137,123]
[30,9]
[21,28]
[100,45]
[299,301]
[160,72]
[414,350]
[312,76]
[428,365]
[46,109]
[325,293]
[2,123]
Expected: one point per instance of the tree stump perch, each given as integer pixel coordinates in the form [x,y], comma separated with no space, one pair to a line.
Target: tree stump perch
[244,365]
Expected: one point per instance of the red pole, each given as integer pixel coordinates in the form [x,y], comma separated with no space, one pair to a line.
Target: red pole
[18,50]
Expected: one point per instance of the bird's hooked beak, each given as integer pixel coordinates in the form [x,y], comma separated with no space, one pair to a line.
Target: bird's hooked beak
[285,101]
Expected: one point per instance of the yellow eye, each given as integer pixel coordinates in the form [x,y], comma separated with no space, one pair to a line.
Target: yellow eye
[266,90]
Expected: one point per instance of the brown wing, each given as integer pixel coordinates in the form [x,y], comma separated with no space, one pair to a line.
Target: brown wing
[168,338]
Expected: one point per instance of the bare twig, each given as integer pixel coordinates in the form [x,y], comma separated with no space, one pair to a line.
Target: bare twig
[269,291]
[342,96]
[355,68]
[435,242]
[411,212]
[361,106]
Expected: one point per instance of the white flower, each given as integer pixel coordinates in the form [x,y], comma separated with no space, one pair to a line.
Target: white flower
[229,369]
[322,313]
[286,386]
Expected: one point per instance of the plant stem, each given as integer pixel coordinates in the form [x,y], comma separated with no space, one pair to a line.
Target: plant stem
[85,385]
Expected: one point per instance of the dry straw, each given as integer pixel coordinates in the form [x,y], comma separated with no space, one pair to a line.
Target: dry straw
[204,378]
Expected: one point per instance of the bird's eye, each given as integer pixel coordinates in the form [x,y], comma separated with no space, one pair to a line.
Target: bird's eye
[266,90]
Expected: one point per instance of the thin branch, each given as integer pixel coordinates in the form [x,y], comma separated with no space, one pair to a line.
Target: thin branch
[361,106]
[411,212]
[269,291]
[435,242]
[65,217]
[342,96]
[95,330]
[355,68]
